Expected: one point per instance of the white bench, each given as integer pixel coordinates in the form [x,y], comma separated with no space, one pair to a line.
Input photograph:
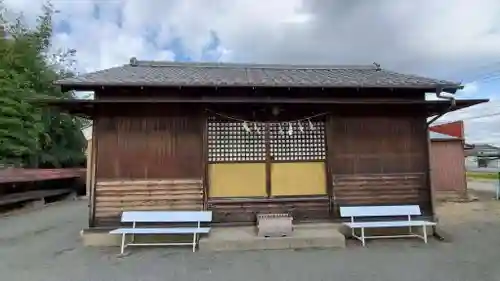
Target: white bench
[135,217]
[384,211]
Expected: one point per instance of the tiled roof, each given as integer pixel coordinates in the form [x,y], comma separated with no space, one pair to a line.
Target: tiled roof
[153,73]
[486,147]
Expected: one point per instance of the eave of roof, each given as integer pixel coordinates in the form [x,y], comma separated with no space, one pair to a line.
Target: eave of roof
[86,107]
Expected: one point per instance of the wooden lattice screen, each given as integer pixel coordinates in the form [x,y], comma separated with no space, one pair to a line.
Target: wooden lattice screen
[305,145]
[230,142]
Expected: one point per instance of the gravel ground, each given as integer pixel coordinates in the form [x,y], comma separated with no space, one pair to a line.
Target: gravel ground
[44,246]
[489,186]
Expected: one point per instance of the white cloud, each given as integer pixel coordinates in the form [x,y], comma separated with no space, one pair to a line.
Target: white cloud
[446,38]
[481,122]
[448,35]
[470,90]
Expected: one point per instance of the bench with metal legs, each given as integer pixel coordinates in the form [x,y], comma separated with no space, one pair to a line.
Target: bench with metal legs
[144,217]
[384,211]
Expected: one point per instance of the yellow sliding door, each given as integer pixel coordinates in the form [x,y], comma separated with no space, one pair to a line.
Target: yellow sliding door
[237,180]
[299,178]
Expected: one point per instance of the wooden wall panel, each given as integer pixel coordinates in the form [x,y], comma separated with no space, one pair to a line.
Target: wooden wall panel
[113,197]
[371,144]
[245,211]
[379,160]
[379,189]
[140,146]
[448,177]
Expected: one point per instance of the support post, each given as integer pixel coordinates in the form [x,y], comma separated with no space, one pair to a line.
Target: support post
[194,242]
[425,233]
[498,186]
[133,234]
[123,244]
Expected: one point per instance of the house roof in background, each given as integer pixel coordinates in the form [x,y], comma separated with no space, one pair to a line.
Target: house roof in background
[455,129]
[174,74]
[480,147]
[439,136]
[482,150]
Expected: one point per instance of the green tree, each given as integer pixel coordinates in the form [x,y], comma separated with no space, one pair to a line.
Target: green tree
[30,135]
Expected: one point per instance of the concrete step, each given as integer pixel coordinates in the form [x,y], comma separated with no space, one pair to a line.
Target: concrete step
[322,235]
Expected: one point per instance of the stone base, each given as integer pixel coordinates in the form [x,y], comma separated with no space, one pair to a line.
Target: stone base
[313,235]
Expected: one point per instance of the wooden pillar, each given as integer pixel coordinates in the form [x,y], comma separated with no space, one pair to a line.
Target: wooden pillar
[91,171]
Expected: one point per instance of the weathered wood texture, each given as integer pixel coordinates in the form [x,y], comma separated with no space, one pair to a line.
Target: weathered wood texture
[448,177]
[380,189]
[372,144]
[245,92]
[149,143]
[114,197]
[245,210]
[378,160]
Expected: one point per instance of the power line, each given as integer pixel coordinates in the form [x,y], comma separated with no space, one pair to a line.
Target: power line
[479,70]
[469,118]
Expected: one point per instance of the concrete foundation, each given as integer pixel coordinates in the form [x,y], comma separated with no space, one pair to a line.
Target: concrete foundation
[314,235]
[311,235]
[35,204]
[346,231]
[98,238]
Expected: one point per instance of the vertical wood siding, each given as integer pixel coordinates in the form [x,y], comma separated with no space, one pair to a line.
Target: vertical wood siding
[149,147]
[147,159]
[378,160]
[360,145]
[448,169]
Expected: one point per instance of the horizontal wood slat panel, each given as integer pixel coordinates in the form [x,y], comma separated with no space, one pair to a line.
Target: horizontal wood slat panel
[154,198]
[151,193]
[114,197]
[373,189]
[377,186]
[246,210]
[380,201]
[111,211]
[138,183]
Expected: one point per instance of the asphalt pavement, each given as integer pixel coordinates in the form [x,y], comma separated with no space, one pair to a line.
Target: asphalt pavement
[44,245]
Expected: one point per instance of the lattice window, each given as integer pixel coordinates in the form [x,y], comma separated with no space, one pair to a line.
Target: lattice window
[306,145]
[230,142]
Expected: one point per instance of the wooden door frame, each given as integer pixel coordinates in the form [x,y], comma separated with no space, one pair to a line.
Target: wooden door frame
[268,161]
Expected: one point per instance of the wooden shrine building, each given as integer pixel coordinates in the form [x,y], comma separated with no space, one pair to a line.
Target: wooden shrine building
[246,139]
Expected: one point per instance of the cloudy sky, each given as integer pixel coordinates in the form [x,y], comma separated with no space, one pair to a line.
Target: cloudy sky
[450,39]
